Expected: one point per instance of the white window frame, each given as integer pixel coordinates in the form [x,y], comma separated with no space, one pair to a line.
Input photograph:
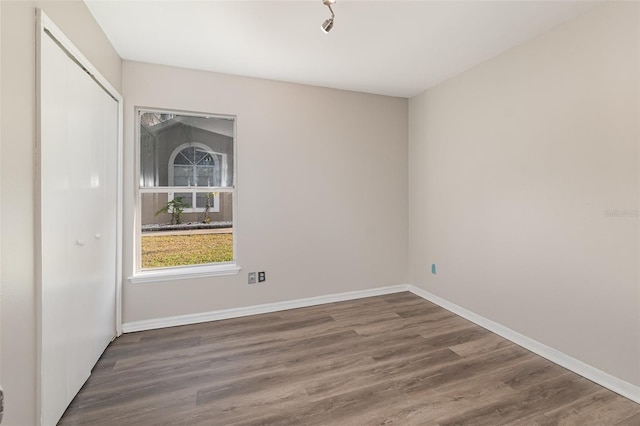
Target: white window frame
[187,271]
[215,207]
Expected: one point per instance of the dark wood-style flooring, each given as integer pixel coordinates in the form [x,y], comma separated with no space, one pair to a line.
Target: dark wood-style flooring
[394,359]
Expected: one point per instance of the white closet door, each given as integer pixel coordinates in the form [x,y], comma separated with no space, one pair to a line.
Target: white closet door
[55,199]
[78,225]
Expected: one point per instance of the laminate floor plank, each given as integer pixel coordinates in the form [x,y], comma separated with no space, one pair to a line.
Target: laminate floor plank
[540,398]
[488,343]
[466,369]
[599,408]
[433,406]
[418,324]
[358,378]
[391,359]
[630,421]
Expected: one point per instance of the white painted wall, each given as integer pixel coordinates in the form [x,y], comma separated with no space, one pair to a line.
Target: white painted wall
[322,189]
[513,167]
[17,100]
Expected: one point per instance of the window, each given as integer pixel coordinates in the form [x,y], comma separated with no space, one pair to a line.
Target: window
[186,194]
[196,164]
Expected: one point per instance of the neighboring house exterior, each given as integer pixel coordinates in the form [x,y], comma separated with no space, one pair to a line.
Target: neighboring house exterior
[189,152]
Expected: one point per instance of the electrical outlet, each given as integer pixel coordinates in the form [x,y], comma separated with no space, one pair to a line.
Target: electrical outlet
[262,276]
[252,277]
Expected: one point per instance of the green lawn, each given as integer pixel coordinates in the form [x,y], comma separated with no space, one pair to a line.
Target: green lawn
[177,250]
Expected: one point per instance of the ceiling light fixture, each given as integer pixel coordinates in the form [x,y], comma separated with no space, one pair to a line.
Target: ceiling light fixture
[328,24]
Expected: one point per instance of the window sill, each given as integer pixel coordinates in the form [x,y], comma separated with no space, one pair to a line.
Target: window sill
[184,272]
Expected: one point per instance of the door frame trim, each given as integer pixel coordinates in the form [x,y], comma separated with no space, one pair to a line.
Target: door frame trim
[46,28]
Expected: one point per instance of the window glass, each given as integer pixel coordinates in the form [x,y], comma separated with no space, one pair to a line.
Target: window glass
[186,189]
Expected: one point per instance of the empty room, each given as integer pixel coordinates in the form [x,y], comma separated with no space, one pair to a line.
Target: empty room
[319,212]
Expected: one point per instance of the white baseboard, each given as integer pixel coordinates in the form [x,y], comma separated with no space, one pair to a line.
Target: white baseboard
[613,383]
[587,371]
[130,327]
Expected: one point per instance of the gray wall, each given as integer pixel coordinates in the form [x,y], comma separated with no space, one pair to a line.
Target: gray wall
[523,177]
[322,189]
[17,174]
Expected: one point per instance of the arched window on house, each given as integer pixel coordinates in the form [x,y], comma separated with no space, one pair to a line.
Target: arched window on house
[197,165]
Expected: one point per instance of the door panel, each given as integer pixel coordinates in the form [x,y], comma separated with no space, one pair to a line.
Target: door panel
[54,198]
[78,159]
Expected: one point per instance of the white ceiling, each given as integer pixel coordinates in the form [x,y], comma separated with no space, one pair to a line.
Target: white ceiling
[397,48]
